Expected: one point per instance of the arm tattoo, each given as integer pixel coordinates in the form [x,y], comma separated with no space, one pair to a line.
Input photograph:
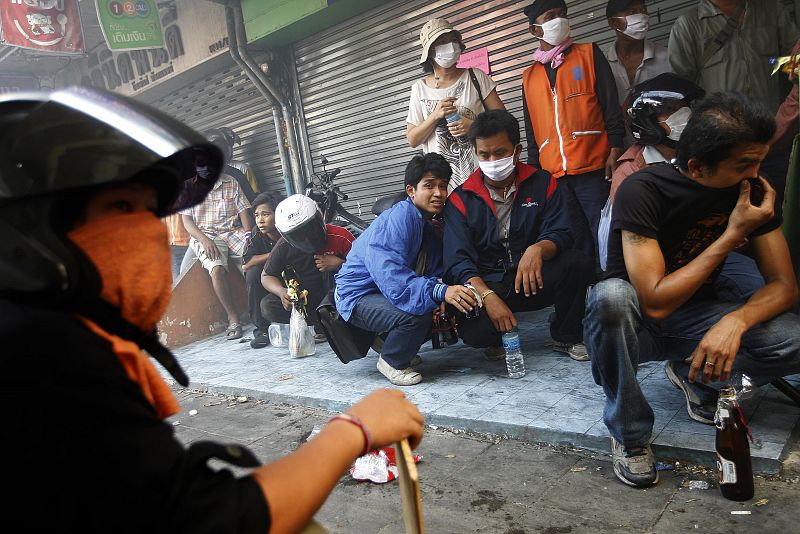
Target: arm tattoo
[632,238]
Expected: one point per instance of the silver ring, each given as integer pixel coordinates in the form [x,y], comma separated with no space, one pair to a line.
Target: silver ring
[458,299]
[710,364]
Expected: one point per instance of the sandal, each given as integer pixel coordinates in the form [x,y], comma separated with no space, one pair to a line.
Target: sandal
[234,331]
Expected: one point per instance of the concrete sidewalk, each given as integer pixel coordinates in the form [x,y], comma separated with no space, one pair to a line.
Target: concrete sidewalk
[556,402]
[473,483]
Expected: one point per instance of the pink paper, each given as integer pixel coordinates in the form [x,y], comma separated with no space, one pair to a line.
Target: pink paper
[478,59]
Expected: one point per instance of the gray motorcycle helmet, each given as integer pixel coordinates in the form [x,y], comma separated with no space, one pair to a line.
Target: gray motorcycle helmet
[55,147]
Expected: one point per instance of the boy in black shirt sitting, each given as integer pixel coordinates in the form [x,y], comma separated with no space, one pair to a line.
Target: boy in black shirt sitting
[309,251]
[256,251]
[672,228]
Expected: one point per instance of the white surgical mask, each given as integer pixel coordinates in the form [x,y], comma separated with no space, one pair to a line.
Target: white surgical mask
[637,25]
[677,122]
[499,169]
[555,31]
[447,55]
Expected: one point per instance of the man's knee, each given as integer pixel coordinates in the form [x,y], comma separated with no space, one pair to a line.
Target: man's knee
[611,302]
[415,323]
[218,272]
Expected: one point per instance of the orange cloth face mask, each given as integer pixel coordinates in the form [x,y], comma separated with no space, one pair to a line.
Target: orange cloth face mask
[132,256]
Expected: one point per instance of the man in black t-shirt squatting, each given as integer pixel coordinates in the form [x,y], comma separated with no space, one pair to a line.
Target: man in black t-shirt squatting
[672,228]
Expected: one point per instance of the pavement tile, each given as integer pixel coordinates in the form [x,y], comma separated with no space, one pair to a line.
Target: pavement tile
[691,508]
[631,506]
[557,399]
[553,421]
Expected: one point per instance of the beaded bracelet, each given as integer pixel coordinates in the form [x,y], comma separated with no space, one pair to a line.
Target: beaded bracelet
[357,422]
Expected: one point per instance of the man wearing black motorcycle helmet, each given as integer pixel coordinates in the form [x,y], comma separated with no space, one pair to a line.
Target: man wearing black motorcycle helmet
[225,139]
[658,111]
[84,178]
[309,251]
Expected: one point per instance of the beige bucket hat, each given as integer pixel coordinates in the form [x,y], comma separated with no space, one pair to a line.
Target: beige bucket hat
[430,32]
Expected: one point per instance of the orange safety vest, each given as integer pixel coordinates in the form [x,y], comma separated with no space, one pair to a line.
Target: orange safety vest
[568,122]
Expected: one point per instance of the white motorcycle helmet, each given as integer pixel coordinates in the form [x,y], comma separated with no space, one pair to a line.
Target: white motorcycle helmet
[300,223]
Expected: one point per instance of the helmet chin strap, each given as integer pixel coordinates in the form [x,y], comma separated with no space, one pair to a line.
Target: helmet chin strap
[109,319]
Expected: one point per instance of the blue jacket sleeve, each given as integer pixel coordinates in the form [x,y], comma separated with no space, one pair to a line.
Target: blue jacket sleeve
[556,222]
[460,256]
[391,248]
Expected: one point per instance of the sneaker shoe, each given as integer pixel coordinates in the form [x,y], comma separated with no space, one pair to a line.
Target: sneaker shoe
[260,340]
[416,360]
[700,409]
[634,467]
[494,354]
[399,377]
[576,351]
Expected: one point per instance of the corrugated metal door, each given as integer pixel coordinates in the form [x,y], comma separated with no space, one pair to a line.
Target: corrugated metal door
[229,98]
[355,78]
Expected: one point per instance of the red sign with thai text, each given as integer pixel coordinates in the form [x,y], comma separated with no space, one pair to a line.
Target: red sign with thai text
[46,25]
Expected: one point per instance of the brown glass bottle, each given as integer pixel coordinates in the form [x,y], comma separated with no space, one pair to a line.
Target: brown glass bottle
[733,449]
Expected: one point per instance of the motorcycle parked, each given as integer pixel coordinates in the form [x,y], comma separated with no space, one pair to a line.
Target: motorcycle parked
[328,197]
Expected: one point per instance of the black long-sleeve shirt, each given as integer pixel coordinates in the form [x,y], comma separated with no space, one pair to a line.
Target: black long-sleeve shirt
[86,452]
[606,89]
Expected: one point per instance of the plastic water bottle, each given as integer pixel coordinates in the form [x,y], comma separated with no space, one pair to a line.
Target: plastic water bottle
[514,360]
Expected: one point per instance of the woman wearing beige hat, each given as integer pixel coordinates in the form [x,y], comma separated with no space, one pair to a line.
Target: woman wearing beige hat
[444,103]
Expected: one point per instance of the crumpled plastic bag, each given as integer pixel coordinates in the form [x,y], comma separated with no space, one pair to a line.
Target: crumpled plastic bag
[301,340]
[378,466]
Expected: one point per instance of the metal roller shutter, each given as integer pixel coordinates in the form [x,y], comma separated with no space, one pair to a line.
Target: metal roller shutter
[229,98]
[355,78]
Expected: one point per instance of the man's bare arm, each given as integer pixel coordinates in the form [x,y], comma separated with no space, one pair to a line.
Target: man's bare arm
[660,294]
[780,290]
[191,227]
[247,220]
[716,353]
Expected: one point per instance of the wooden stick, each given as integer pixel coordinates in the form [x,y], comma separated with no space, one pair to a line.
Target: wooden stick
[409,488]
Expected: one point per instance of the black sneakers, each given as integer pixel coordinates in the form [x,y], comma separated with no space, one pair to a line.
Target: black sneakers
[701,400]
[260,339]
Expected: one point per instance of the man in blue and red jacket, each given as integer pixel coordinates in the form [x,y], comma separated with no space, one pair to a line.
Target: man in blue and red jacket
[508,232]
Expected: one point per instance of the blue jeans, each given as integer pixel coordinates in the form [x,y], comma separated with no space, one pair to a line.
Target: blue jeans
[405,332]
[619,338]
[739,278]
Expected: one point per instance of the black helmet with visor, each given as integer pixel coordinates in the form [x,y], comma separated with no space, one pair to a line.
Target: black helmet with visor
[663,94]
[55,148]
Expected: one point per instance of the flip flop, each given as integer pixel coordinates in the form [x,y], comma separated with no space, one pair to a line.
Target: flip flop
[234,331]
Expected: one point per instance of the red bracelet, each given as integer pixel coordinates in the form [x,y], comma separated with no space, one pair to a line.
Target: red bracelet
[356,421]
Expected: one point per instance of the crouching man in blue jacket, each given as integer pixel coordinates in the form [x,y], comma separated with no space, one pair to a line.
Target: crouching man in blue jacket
[390,282]
[508,233]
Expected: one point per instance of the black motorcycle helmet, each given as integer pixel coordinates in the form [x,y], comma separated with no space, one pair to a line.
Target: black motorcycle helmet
[224,138]
[649,99]
[300,222]
[55,149]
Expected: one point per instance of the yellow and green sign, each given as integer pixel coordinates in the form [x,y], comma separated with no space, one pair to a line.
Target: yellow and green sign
[130,24]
